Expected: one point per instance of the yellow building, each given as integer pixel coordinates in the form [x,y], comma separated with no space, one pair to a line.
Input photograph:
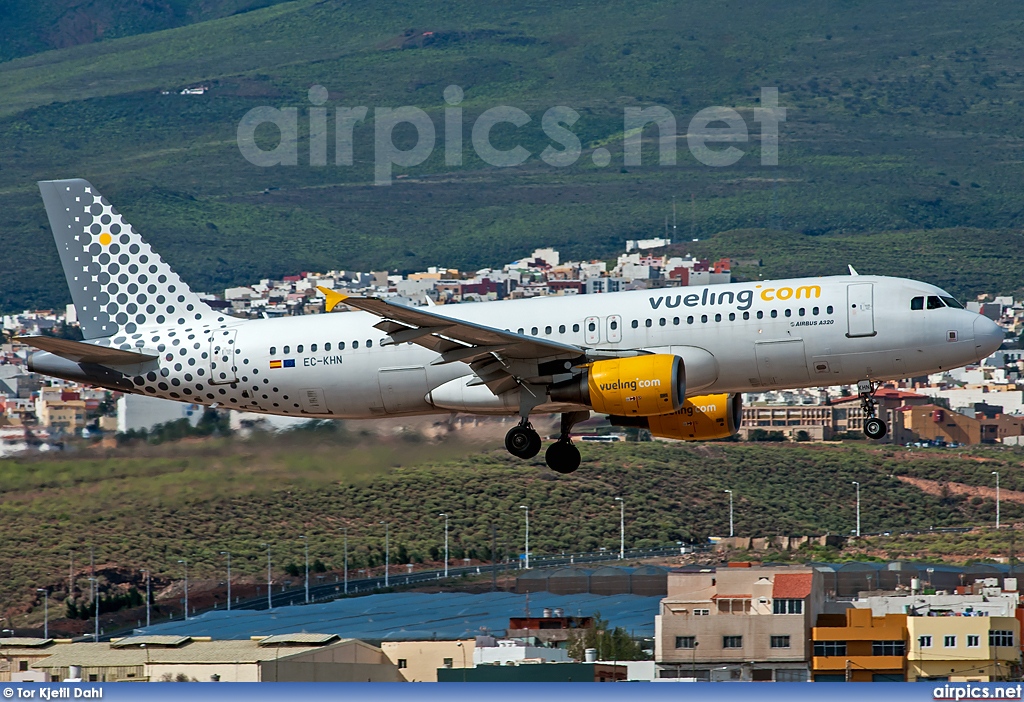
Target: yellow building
[418,661]
[64,415]
[963,649]
[857,647]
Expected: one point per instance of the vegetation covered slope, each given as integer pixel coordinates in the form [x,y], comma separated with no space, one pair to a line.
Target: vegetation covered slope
[901,118]
[194,501]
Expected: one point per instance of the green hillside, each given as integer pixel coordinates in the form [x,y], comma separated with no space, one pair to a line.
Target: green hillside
[156,505]
[901,119]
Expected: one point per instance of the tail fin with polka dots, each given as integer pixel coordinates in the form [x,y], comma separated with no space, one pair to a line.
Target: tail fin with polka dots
[117,282]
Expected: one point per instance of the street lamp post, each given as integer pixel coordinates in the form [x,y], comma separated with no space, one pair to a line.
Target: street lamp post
[387,551]
[527,512]
[622,527]
[94,585]
[445,543]
[732,532]
[185,561]
[345,529]
[46,611]
[693,663]
[270,581]
[858,506]
[148,598]
[305,541]
[996,473]
[228,554]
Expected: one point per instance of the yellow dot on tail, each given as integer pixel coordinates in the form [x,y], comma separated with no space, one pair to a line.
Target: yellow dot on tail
[105,238]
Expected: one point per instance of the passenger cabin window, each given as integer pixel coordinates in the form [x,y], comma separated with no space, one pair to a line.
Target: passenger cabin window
[718,318]
[355,344]
[934,303]
[273,350]
[661,321]
[561,328]
[635,324]
[520,330]
[287,349]
[341,345]
[533,331]
[312,348]
[829,309]
[613,325]
[299,349]
[547,330]
[327,346]
[760,314]
[917,303]
[576,327]
[689,320]
[775,313]
[649,323]
[593,327]
[369,343]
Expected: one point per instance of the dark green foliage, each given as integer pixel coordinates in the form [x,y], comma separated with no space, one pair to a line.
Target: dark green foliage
[611,644]
[212,423]
[888,120]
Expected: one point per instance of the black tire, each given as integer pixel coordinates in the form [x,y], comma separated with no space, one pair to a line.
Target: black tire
[875,428]
[562,457]
[522,442]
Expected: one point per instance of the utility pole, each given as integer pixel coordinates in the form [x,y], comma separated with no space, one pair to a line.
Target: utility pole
[445,543]
[270,582]
[996,473]
[46,611]
[228,554]
[185,561]
[527,554]
[731,531]
[148,590]
[494,558]
[387,552]
[345,529]
[858,507]
[305,541]
[96,607]
[71,573]
[622,527]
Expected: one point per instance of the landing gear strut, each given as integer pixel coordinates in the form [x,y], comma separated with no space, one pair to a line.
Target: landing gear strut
[522,440]
[874,427]
[563,456]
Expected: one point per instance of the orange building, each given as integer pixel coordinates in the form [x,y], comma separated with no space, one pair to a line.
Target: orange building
[857,647]
[931,423]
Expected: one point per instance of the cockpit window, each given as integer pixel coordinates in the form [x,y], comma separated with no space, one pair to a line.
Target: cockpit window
[917,303]
[950,302]
[934,303]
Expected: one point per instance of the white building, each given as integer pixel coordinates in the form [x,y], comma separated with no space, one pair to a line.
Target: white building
[142,412]
[508,651]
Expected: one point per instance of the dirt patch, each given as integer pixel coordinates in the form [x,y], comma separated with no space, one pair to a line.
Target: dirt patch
[935,487]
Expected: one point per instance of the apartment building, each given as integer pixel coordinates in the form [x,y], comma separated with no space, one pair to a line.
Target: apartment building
[963,648]
[858,647]
[739,623]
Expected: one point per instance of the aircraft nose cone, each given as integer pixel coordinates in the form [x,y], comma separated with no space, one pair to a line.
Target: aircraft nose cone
[988,336]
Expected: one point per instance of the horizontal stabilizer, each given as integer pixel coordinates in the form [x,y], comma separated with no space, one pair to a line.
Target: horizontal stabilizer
[81,352]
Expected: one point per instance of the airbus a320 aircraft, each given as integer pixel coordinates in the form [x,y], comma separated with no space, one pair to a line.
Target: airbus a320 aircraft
[672,360]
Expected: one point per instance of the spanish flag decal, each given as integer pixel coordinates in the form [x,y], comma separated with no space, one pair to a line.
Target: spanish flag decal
[275,364]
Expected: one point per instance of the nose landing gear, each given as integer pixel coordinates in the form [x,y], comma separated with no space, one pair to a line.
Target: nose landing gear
[874,427]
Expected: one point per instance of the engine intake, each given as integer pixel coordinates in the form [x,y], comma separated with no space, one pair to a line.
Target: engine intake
[638,386]
[701,418]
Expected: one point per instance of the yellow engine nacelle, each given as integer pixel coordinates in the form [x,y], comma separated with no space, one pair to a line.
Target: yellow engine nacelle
[701,418]
[639,386]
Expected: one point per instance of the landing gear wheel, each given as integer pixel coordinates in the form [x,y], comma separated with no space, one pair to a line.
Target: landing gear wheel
[875,428]
[562,457]
[523,441]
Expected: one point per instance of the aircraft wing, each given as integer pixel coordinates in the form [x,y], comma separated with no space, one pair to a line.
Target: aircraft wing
[500,359]
[81,352]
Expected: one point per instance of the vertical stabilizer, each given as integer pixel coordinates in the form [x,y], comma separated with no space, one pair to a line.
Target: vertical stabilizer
[117,282]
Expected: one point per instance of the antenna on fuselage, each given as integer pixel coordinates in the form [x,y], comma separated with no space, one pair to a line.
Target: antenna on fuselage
[852,271]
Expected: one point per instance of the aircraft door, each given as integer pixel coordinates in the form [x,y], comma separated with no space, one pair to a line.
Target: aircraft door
[223,369]
[403,389]
[782,363]
[592,331]
[860,313]
[614,333]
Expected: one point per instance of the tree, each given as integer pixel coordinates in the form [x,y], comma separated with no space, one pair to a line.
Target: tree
[611,644]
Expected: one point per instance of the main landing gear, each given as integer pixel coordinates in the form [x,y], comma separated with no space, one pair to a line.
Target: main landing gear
[874,427]
[523,441]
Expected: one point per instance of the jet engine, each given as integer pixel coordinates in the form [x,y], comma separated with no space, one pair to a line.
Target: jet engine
[638,386]
[701,418]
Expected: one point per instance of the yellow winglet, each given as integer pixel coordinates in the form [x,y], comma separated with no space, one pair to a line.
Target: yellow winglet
[333,297]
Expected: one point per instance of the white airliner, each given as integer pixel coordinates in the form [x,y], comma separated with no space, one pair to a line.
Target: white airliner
[673,360]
